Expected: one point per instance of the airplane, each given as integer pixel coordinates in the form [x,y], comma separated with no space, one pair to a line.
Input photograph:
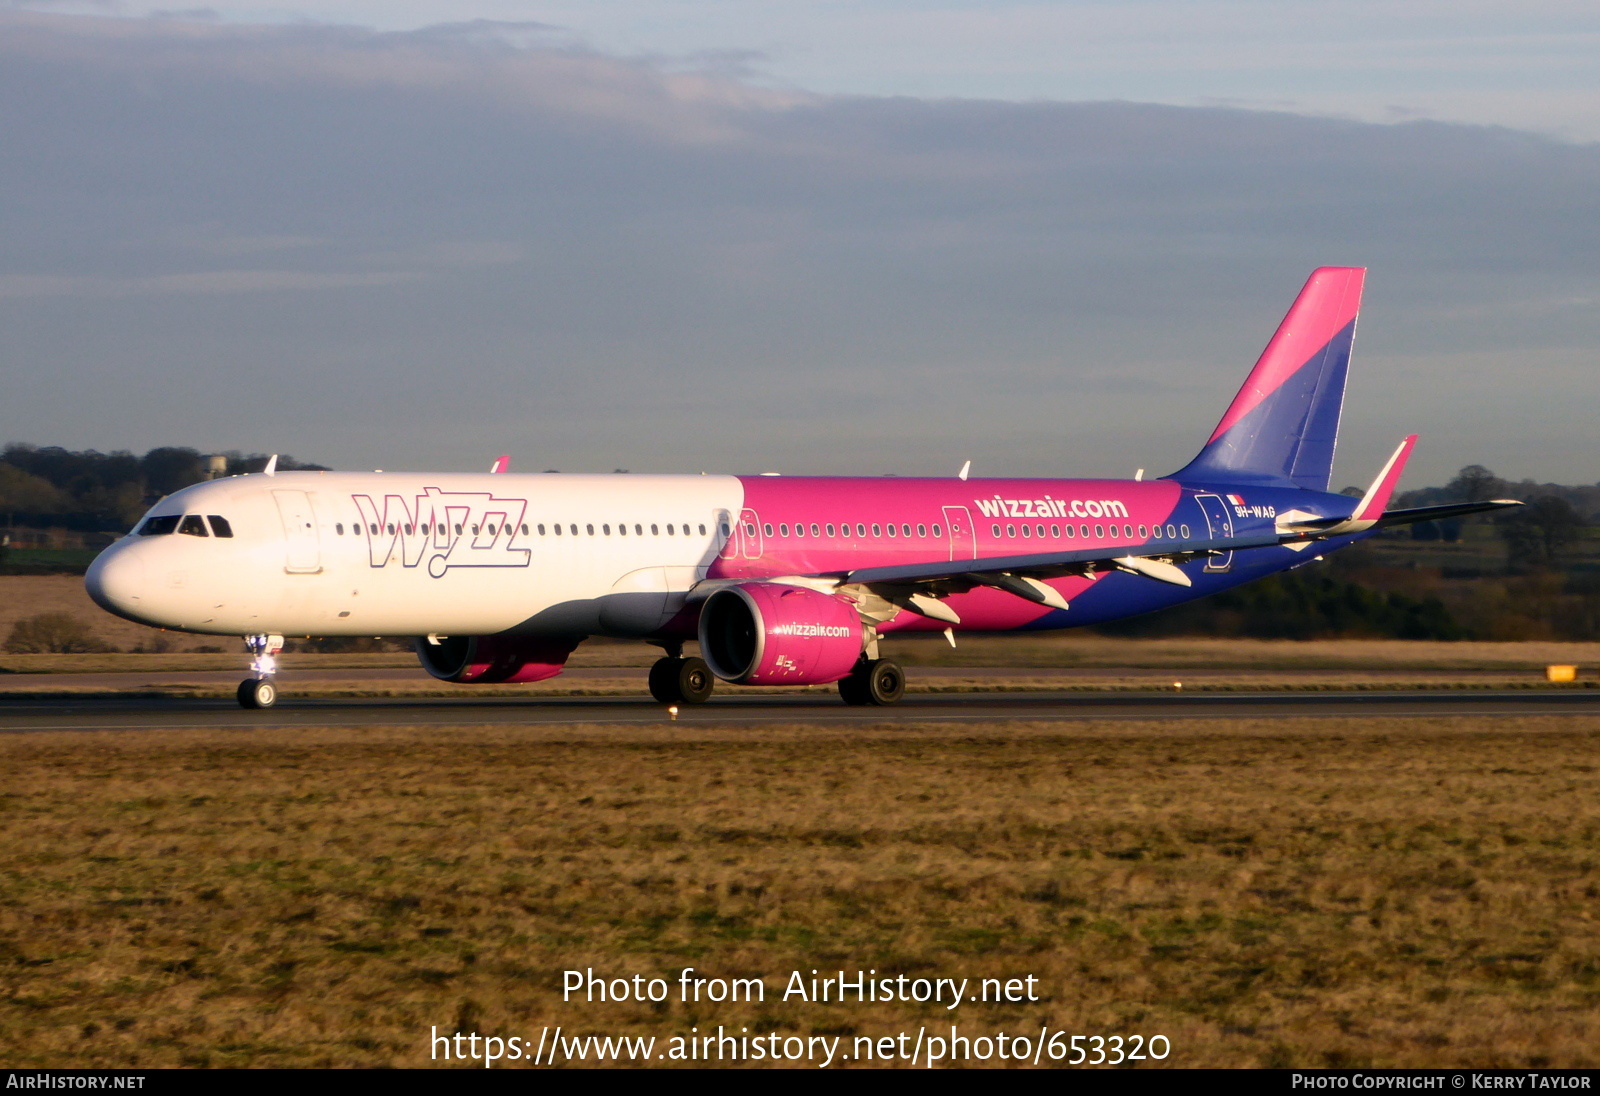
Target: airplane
[782,580]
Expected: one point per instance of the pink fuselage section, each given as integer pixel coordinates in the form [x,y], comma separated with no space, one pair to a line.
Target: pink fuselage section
[948,519]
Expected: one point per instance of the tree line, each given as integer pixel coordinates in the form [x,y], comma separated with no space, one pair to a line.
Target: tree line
[90,491]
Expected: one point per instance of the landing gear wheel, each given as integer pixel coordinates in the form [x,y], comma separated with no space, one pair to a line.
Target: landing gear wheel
[877,681]
[257,692]
[681,681]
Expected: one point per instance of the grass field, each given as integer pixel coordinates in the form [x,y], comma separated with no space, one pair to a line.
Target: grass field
[1303,892]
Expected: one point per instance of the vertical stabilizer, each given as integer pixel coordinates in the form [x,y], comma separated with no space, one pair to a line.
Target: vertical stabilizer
[1282,426]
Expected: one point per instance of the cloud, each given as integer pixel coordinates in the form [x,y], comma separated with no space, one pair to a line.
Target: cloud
[404,249]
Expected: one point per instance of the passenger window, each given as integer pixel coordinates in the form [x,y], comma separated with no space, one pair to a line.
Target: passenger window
[338,526]
[876,531]
[558,530]
[606,529]
[1184,531]
[766,527]
[1071,532]
[1026,531]
[655,531]
[994,529]
[725,530]
[922,530]
[861,530]
[1055,530]
[1099,532]
[622,529]
[194,525]
[1039,529]
[1171,533]
[1142,533]
[891,531]
[373,528]
[935,530]
[541,529]
[391,529]
[830,529]
[475,529]
[1011,530]
[589,529]
[524,528]
[702,530]
[783,528]
[905,530]
[1155,532]
[814,531]
[1127,531]
[638,530]
[408,530]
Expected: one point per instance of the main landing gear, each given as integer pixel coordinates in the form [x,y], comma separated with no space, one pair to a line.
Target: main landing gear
[874,681]
[259,690]
[679,680]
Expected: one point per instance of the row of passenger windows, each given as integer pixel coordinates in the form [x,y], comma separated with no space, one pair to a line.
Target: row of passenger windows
[878,530]
[1154,532]
[189,524]
[495,529]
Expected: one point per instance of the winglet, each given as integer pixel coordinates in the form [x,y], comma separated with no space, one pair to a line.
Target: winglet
[272,466]
[501,463]
[1369,510]
[1376,499]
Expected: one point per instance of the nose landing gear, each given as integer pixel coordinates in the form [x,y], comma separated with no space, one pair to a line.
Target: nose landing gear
[259,690]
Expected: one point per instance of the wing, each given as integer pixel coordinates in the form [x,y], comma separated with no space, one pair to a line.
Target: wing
[918,587]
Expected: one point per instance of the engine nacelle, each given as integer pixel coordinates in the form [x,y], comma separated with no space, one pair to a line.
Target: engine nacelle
[766,633]
[495,660]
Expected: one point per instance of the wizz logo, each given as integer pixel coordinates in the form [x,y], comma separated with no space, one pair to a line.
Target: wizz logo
[445,528]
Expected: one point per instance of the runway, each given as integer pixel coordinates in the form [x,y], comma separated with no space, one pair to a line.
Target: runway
[20,714]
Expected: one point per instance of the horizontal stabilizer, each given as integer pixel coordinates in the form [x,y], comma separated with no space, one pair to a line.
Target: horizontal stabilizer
[1441,513]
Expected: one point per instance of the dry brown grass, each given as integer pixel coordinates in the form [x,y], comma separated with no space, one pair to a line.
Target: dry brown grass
[24,596]
[1380,891]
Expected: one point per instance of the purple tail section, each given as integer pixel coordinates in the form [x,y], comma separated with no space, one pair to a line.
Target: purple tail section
[1281,428]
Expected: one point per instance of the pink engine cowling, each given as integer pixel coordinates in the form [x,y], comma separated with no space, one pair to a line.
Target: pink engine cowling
[495,660]
[766,633]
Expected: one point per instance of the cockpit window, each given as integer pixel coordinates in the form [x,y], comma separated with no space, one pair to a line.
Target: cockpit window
[220,526]
[193,525]
[159,527]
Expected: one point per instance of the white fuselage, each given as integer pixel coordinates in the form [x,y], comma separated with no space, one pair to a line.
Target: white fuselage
[377,554]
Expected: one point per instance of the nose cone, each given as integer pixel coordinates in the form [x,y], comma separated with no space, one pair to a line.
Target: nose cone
[116,582]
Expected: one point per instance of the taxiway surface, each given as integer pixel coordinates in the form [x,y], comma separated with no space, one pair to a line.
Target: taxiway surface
[20,714]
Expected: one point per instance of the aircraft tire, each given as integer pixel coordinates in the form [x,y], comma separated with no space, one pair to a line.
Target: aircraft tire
[876,681]
[257,692]
[681,681]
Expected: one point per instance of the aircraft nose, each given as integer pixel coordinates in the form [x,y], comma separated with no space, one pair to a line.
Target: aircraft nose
[116,581]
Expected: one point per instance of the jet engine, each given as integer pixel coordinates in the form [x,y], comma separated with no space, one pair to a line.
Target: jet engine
[767,633]
[495,660]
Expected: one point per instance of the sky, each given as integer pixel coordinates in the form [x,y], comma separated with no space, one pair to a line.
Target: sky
[800,237]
